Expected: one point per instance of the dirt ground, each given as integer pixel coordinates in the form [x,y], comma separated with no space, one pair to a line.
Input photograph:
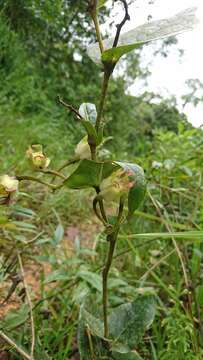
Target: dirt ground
[84,233]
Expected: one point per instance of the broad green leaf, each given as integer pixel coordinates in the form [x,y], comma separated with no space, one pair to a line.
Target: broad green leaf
[154,30]
[92,279]
[57,275]
[88,324]
[88,112]
[138,190]
[15,318]
[194,235]
[127,325]
[128,322]
[90,174]
[118,354]
[58,235]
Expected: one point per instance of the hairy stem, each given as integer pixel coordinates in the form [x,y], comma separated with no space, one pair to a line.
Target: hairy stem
[32,178]
[111,238]
[102,99]
[112,243]
[93,13]
[98,34]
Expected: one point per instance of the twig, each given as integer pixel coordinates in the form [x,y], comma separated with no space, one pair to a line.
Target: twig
[29,303]
[168,227]
[67,163]
[144,276]
[32,178]
[70,107]
[186,280]
[119,26]
[52,172]
[15,346]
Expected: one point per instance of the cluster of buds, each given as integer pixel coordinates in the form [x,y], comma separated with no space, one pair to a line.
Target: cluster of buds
[8,189]
[82,150]
[37,158]
[117,185]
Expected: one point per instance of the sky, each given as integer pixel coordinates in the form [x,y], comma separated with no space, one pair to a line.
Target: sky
[169,74]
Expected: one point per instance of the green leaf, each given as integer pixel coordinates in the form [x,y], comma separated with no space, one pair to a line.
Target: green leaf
[129,355]
[92,279]
[88,324]
[154,30]
[58,235]
[57,275]
[101,3]
[127,325]
[128,322]
[195,235]
[138,190]
[15,318]
[90,174]
[88,112]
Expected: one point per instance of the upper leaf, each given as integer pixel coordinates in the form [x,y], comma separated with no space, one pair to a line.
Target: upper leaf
[154,30]
[88,112]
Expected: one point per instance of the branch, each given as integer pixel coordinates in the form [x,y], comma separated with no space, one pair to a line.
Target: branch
[70,107]
[32,178]
[92,8]
[119,26]
[29,303]
[52,172]
[15,346]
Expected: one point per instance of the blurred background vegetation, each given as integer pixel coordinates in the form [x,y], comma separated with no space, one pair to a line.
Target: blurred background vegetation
[43,55]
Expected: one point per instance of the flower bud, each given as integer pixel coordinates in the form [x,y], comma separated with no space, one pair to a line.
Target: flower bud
[8,187]
[82,150]
[36,157]
[116,185]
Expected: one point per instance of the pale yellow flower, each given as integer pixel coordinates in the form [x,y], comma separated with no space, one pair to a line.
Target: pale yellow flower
[8,187]
[116,185]
[82,150]
[36,157]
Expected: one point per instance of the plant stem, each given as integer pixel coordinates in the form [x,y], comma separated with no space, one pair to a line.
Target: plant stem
[93,13]
[32,178]
[105,82]
[29,303]
[15,346]
[112,243]
[52,172]
[98,34]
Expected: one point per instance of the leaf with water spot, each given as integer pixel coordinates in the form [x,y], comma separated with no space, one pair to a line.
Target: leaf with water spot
[183,21]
